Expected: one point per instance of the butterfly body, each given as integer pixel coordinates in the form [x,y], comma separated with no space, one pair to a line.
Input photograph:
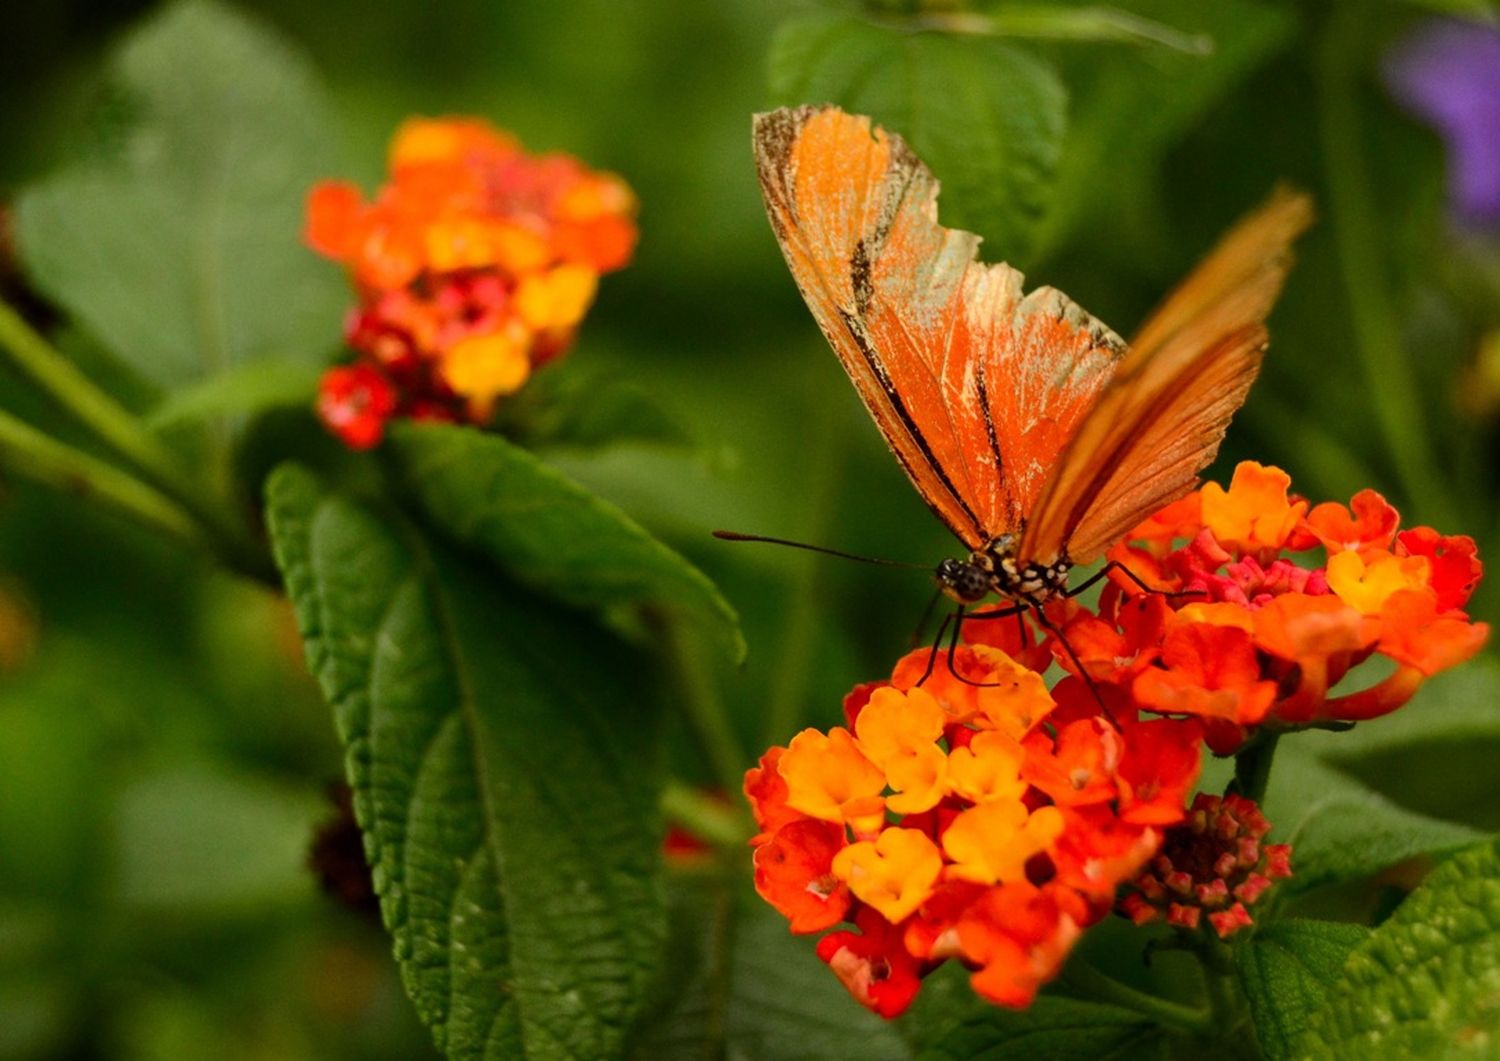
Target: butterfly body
[997,570]
[1034,432]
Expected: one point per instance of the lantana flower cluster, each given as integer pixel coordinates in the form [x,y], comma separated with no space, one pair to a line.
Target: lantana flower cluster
[988,823]
[473,265]
[1266,605]
[967,811]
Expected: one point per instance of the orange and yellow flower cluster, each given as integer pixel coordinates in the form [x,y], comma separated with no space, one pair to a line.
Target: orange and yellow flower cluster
[474,265]
[968,811]
[1258,632]
[988,823]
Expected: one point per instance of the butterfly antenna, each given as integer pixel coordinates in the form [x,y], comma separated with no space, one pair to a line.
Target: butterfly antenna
[736,536]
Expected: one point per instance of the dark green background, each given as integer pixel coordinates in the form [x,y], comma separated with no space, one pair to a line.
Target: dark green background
[161,757]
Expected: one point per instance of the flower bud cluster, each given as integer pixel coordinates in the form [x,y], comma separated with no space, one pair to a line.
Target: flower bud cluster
[1215,863]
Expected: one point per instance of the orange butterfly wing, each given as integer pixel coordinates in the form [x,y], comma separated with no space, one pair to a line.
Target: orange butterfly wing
[1162,417]
[975,387]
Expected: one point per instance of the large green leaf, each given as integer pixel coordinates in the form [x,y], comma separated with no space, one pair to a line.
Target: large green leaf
[176,238]
[950,1023]
[1436,754]
[1340,829]
[987,117]
[548,532]
[1130,105]
[585,411]
[502,758]
[209,841]
[1427,982]
[1286,970]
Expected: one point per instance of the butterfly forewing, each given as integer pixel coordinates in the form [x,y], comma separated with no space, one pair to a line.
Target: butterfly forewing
[975,386]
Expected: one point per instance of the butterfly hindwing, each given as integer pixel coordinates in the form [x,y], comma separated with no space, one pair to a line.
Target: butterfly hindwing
[1160,421]
[976,386]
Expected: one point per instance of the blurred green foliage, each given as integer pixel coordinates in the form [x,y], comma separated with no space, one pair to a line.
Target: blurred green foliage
[162,749]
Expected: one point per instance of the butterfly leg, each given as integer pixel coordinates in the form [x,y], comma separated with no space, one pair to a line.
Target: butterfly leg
[962,617]
[1056,631]
[1115,565]
[937,643]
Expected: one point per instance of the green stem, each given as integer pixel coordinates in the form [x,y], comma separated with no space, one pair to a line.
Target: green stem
[706,818]
[1252,766]
[28,452]
[800,637]
[1227,1011]
[1392,384]
[1083,976]
[704,707]
[123,432]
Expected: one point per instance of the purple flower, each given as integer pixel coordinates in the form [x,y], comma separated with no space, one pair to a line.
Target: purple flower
[1448,73]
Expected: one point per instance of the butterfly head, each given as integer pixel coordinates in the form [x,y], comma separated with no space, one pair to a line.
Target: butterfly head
[966,581]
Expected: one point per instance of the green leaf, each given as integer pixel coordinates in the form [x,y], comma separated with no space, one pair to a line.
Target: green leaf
[547,531]
[584,411]
[1131,105]
[985,116]
[503,764]
[1340,829]
[769,997]
[950,1023]
[1435,755]
[176,240]
[1286,970]
[205,840]
[1427,982]
[248,388]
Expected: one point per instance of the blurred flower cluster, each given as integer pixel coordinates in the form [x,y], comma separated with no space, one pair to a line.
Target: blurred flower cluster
[968,811]
[473,265]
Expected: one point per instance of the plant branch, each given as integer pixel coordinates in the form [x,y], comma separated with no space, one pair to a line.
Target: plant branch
[702,705]
[1252,766]
[119,429]
[28,452]
[1226,1005]
[707,818]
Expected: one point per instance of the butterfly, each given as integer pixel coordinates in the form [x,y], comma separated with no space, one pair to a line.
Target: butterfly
[1033,431]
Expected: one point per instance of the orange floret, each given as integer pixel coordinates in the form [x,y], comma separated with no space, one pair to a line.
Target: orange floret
[1365,582]
[1368,524]
[993,842]
[794,873]
[898,732]
[1019,936]
[1254,516]
[1208,670]
[828,777]
[893,873]
[987,768]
